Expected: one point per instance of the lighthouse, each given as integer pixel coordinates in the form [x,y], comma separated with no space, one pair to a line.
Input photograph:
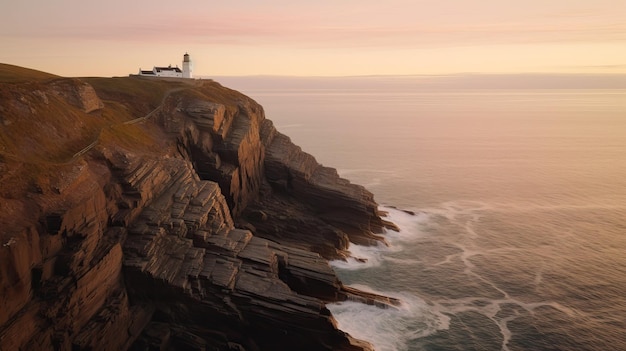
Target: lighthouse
[187,67]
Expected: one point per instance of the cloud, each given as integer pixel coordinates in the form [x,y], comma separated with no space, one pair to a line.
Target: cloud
[612,68]
[292,32]
[346,25]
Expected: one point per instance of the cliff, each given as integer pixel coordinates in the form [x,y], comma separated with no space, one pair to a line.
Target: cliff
[151,214]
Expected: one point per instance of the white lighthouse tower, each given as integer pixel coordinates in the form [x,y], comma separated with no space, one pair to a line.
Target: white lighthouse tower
[187,67]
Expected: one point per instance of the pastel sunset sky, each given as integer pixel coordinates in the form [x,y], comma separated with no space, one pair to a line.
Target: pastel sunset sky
[316,38]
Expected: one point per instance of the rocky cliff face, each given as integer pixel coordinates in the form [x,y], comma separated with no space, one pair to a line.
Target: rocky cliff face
[162,215]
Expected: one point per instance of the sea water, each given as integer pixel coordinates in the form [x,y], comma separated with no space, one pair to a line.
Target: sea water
[511,205]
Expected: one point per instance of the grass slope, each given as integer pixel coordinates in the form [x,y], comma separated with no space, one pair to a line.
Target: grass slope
[15,74]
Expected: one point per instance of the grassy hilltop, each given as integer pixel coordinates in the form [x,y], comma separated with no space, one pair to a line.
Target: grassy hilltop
[45,120]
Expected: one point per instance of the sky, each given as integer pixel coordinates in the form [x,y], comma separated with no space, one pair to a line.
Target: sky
[316,37]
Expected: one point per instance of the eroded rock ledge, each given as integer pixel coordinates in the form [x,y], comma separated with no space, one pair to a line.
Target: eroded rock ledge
[191,223]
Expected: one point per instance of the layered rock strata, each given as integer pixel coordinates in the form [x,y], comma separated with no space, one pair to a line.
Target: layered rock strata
[195,225]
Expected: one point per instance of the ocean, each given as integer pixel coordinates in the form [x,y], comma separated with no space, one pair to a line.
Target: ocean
[511,203]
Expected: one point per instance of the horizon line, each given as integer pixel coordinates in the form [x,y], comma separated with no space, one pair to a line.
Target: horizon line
[412,75]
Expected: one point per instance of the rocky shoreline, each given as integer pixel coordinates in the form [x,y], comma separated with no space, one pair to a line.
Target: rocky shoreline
[198,226]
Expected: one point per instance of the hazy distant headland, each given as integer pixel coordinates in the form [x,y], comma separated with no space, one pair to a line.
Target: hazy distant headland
[431,82]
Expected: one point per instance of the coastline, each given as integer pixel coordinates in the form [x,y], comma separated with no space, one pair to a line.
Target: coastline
[200,204]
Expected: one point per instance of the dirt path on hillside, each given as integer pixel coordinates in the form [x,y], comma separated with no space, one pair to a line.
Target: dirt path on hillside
[194,83]
[132,121]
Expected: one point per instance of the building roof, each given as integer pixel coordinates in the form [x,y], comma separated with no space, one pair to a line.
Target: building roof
[169,68]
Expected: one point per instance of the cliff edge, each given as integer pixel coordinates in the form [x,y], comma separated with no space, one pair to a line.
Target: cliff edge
[163,214]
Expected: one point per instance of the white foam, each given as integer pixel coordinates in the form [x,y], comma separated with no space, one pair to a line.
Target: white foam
[409,224]
[363,257]
[393,328]
[389,329]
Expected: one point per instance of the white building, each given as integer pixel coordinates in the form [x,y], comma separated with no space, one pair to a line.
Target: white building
[169,71]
